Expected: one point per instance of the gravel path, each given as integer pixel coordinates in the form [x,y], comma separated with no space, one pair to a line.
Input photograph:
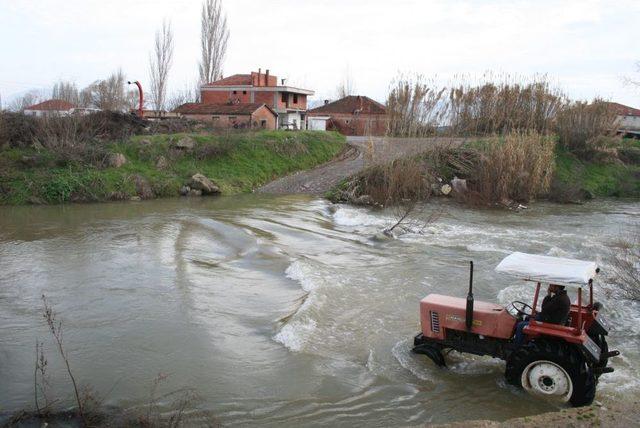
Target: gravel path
[360,153]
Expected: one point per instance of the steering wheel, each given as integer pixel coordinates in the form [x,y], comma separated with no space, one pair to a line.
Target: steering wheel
[521,308]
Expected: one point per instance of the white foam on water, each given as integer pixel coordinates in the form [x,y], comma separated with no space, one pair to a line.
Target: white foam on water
[418,365]
[487,248]
[558,252]
[349,216]
[294,335]
[296,332]
[301,272]
[473,365]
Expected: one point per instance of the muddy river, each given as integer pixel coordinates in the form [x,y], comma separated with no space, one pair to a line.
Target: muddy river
[280,311]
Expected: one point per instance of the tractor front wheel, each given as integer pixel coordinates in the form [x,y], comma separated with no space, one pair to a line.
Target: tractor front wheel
[553,370]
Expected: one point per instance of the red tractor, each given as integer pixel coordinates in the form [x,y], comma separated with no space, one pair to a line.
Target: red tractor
[556,361]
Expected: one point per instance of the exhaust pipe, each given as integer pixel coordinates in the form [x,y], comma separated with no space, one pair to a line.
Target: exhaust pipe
[469,317]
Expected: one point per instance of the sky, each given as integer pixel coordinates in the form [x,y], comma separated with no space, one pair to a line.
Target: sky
[585,47]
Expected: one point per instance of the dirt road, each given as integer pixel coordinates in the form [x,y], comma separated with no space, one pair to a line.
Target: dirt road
[361,153]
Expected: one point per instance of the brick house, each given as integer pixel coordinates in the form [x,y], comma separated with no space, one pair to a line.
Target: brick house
[238,115]
[289,103]
[354,115]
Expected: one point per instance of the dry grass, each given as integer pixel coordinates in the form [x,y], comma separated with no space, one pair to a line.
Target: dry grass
[581,125]
[625,260]
[407,179]
[504,106]
[414,107]
[517,167]
[499,105]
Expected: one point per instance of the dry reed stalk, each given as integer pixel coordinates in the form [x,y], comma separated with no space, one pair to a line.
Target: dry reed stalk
[517,167]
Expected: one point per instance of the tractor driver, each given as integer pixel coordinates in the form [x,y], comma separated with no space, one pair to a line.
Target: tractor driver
[555,310]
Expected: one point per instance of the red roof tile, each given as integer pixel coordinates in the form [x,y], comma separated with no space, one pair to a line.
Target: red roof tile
[623,110]
[350,105]
[235,80]
[239,109]
[60,105]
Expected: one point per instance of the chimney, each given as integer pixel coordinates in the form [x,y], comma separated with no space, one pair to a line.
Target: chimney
[326,102]
[266,78]
[259,76]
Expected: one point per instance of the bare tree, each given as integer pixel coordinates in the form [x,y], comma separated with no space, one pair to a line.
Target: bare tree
[347,86]
[32,97]
[109,94]
[67,91]
[631,81]
[179,97]
[214,36]
[159,64]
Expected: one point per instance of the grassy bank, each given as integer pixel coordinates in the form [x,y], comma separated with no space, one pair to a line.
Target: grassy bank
[500,171]
[605,178]
[155,167]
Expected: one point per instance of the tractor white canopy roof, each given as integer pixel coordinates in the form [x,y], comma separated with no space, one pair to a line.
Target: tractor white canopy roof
[552,270]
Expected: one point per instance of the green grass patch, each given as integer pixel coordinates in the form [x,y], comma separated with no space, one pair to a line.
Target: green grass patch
[237,162]
[601,179]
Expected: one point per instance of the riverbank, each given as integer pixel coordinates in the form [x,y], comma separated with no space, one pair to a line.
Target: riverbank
[617,414]
[504,171]
[154,166]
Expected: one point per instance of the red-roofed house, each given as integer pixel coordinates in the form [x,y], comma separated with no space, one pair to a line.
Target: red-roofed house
[238,115]
[628,119]
[289,103]
[353,115]
[50,107]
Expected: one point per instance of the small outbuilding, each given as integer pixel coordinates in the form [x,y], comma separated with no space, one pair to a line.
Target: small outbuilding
[353,115]
[231,115]
[317,123]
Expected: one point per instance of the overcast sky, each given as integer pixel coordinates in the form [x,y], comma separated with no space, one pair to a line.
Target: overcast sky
[586,47]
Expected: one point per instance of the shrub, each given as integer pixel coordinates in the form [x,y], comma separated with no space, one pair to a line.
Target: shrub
[17,129]
[581,127]
[629,155]
[517,167]
[625,260]
[419,108]
[213,149]
[504,106]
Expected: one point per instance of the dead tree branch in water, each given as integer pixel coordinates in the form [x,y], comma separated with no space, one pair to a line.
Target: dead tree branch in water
[55,328]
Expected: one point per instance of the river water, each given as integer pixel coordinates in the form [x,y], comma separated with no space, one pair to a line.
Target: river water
[281,311]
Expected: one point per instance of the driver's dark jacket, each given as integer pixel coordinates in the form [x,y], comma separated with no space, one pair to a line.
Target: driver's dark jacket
[556,308]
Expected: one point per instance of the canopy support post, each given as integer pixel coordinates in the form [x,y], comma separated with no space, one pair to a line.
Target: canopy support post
[579,326]
[535,304]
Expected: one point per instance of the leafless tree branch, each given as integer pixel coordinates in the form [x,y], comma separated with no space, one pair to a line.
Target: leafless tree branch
[160,62]
[214,36]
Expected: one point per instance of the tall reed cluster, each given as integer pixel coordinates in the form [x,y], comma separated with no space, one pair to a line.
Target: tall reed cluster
[580,126]
[498,105]
[518,166]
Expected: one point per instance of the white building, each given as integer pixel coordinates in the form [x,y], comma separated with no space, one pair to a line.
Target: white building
[317,123]
[628,119]
[50,108]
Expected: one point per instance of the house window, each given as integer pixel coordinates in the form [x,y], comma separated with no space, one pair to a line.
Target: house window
[215,118]
[244,92]
[235,92]
[263,123]
[295,98]
[284,98]
[232,118]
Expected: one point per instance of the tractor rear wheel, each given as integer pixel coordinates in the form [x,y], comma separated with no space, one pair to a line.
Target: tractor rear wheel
[554,370]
